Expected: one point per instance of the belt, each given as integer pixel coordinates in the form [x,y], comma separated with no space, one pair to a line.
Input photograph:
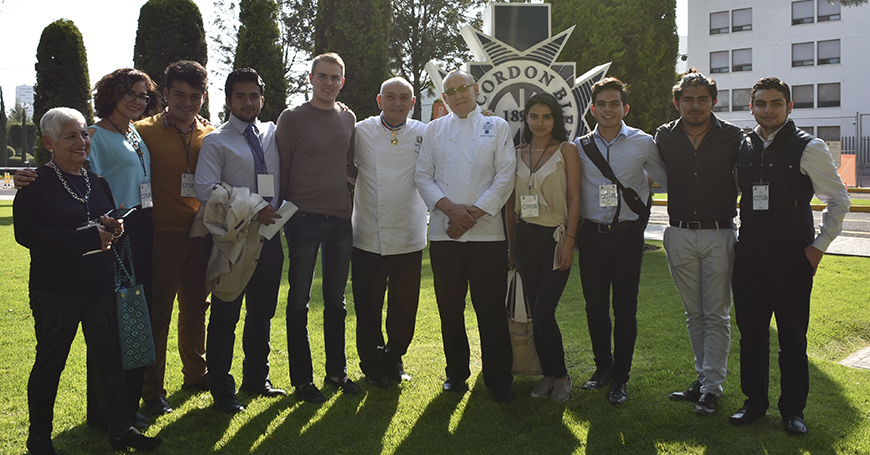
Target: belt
[696,225]
[606,228]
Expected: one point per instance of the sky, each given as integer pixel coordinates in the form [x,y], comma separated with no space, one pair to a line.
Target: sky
[109,32]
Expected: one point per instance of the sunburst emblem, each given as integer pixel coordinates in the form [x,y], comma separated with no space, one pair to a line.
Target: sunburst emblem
[508,77]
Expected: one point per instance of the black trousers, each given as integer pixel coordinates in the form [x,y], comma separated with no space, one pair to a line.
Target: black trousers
[611,260]
[372,274]
[766,283]
[261,299]
[56,318]
[533,255]
[482,266]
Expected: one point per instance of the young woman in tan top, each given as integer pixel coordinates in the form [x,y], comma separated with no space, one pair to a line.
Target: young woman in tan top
[546,203]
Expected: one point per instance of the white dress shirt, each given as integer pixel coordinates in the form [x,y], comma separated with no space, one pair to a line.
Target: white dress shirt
[226,157]
[631,155]
[818,164]
[469,161]
[389,216]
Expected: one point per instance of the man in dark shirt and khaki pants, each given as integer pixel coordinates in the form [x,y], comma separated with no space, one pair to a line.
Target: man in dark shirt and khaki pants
[700,152]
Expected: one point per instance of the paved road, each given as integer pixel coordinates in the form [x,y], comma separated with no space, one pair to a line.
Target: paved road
[854,241]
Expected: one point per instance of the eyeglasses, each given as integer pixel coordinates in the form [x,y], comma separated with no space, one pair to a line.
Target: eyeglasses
[131,96]
[460,89]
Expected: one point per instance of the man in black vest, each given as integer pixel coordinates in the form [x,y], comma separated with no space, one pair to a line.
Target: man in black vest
[779,168]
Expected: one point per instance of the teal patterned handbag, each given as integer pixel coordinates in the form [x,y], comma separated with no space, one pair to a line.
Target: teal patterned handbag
[134,322]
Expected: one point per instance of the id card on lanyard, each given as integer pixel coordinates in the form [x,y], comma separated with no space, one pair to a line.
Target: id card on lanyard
[266,185]
[145,195]
[187,185]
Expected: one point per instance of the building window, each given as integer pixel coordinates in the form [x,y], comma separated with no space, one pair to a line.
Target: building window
[829,133]
[829,52]
[742,60]
[719,62]
[829,95]
[741,19]
[740,99]
[828,11]
[723,103]
[802,96]
[719,22]
[808,129]
[802,12]
[802,54]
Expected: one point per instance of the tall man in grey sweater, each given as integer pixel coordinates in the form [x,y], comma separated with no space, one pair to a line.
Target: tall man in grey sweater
[315,143]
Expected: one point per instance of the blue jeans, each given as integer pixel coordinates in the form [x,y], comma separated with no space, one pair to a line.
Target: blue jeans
[261,299]
[306,233]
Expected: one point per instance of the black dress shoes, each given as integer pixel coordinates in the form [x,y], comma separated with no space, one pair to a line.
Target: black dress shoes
[598,380]
[378,379]
[618,394]
[310,393]
[745,416]
[502,395]
[345,384]
[455,385]
[40,446]
[266,390]
[134,440]
[693,393]
[794,425]
[157,406]
[706,405]
[229,405]
[201,386]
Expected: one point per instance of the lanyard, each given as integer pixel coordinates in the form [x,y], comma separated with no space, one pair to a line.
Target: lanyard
[133,139]
[186,144]
[533,169]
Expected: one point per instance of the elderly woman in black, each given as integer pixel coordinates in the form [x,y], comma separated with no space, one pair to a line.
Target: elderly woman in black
[60,218]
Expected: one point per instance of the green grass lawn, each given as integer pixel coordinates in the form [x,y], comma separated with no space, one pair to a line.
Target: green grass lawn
[417,418]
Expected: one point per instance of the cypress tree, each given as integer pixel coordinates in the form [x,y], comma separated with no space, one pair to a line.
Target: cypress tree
[3,129]
[259,48]
[359,31]
[169,31]
[61,76]
[639,37]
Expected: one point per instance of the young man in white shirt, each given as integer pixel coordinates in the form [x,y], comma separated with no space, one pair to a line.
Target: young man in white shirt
[242,153]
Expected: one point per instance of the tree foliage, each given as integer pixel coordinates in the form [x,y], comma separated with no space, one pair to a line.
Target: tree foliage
[296,26]
[259,48]
[23,140]
[169,31]
[61,75]
[849,2]
[362,44]
[639,37]
[429,30]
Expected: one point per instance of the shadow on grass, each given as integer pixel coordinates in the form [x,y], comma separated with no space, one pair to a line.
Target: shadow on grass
[651,424]
[5,221]
[474,423]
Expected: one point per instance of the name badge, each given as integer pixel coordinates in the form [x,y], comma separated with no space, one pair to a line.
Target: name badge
[760,196]
[187,182]
[529,206]
[266,185]
[145,195]
[608,195]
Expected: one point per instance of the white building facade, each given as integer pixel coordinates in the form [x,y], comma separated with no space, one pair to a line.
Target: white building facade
[821,50]
[24,97]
